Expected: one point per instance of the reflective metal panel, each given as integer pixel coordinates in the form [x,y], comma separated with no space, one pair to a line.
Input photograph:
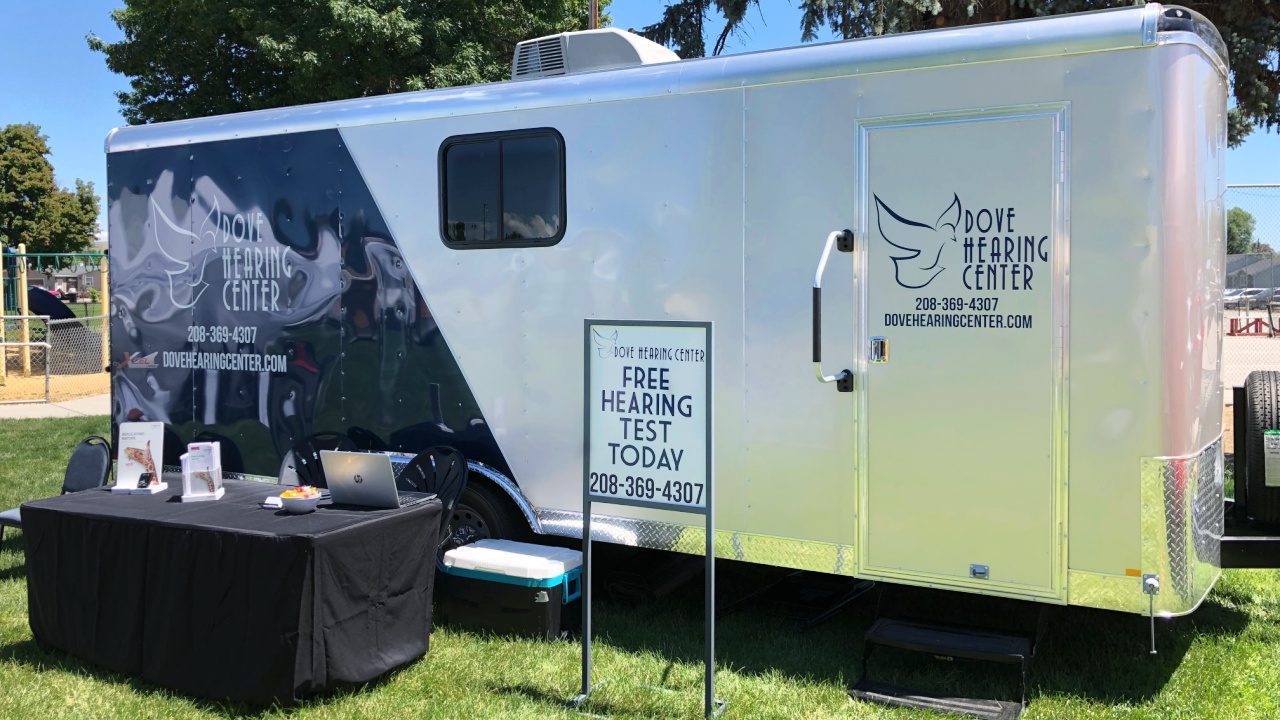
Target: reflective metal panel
[749,547]
[653,231]
[1182,525]
[1107,592]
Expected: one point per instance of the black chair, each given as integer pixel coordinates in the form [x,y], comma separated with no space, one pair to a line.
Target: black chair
[301,465]
[366,440]
[231,460]
[441,470]
[89,467]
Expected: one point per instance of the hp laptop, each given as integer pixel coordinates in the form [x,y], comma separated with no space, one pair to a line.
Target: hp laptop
[359,478]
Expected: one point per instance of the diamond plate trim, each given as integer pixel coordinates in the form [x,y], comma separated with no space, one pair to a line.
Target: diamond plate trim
[748,547]
[1182,525]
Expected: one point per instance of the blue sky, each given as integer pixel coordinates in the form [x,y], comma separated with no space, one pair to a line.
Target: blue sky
[51,78]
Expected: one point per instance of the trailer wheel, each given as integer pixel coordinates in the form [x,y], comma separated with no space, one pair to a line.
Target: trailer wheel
[483,512]
[1262,397]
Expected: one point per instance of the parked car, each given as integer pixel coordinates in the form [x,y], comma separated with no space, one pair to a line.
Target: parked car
[1251,297]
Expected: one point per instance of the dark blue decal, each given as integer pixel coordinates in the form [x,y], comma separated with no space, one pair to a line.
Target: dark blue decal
[920,246]
[258,297]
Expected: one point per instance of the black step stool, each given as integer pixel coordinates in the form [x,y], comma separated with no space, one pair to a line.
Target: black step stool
[950,642]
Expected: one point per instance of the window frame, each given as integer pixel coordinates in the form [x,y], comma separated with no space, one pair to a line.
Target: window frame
[443,195]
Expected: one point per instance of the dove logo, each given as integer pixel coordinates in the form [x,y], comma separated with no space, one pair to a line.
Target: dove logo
[918,247]
[605,344]
[184,291]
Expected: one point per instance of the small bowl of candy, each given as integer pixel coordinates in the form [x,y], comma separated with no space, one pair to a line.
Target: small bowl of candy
[300,500]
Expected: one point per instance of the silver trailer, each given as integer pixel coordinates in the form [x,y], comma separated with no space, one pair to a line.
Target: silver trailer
[1019,388]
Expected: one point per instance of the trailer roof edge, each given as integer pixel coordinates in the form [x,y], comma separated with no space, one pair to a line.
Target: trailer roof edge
[1114,29]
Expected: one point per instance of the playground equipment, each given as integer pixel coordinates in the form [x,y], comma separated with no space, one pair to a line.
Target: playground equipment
[40,336]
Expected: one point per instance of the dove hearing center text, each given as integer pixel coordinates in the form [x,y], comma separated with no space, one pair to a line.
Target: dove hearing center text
[999,261]
[668,354]
[253,265]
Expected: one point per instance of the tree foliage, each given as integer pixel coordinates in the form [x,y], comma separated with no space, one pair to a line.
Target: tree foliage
[1240,227]
[26,181]
[191,58]
[33,209]
[1250,28]
[681,25]
[68,220]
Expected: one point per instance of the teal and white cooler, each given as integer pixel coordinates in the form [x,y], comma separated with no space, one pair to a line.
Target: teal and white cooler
[512,588]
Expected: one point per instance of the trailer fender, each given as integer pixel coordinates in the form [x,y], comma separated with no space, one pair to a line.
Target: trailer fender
[508,486]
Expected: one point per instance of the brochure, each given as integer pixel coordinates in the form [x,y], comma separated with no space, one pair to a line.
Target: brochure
[140,445]
[202,472]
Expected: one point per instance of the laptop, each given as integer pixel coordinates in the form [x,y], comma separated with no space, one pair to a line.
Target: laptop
[365,479]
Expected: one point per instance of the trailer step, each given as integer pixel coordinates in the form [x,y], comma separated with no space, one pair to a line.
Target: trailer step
[1247,543]
[1251,551]
[893,696]
[949,642]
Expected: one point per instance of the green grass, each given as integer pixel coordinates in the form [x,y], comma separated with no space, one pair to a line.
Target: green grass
[1223,661]
[89,309]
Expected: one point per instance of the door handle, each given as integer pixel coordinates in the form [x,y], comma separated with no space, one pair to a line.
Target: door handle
[843,241]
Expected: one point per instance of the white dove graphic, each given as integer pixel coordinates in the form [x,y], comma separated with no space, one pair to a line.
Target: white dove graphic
[604,343]
[920,258]
[196,288]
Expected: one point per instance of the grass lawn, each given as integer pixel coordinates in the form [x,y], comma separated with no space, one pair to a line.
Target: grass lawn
[1223,661]
[82,309]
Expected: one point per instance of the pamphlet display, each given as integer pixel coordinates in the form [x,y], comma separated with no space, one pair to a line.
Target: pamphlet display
[140,445]
[202,472]
[647,443]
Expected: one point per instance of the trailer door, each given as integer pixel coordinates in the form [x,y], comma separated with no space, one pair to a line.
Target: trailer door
[963,258]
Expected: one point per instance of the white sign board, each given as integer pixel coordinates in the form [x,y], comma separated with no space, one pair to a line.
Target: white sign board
[647,442]
[648,414]
[1271,458]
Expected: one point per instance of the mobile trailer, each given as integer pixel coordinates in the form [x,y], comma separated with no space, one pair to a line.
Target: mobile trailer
[1022,340]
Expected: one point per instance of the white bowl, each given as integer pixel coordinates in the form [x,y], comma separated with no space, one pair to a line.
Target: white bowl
[299,505]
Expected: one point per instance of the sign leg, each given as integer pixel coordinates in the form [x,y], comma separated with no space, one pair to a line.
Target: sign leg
[709,662]
[586,604]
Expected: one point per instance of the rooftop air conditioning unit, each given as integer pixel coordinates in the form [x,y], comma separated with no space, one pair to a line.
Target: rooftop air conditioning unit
[583,51]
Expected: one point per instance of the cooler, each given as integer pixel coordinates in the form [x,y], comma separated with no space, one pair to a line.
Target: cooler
[512,588]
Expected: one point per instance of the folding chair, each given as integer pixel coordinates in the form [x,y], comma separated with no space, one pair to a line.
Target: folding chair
[441,470]
[301,465]
[88,468]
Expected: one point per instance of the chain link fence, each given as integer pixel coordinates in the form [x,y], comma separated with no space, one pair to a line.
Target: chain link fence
[52,360]
[1251,322]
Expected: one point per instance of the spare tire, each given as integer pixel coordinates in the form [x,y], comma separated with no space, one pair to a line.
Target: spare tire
[1262,413]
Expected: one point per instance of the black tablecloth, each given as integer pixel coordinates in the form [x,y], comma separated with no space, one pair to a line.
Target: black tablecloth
[228,600]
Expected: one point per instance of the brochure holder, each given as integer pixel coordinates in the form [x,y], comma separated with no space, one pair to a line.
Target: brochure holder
[202,472]
[140,445]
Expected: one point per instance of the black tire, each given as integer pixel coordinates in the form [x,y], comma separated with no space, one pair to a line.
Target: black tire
[1262,403]
[485,512]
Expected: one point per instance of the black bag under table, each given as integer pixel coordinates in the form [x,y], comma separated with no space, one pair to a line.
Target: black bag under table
[225,599]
